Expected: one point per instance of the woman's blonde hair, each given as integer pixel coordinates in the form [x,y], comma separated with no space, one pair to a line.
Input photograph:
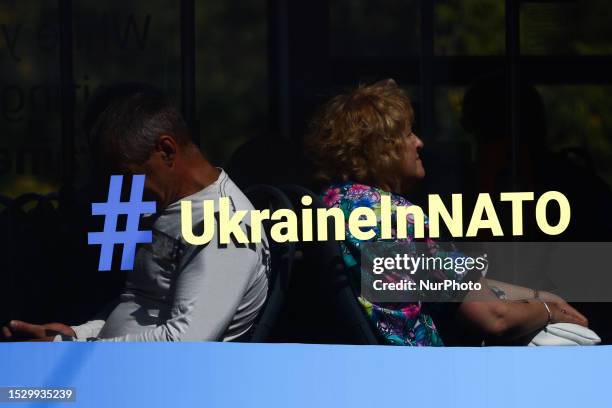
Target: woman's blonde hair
[358,136]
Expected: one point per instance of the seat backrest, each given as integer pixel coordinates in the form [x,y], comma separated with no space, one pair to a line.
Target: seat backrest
[281,262]
[334,278]
[31,255]
[7,242]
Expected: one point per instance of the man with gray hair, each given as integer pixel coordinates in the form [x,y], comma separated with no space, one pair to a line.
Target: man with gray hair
[176,291]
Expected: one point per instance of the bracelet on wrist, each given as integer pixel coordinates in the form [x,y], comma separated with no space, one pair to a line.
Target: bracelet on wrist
[549,312]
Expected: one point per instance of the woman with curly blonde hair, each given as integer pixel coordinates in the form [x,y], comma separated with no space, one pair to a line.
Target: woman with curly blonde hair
[363,148]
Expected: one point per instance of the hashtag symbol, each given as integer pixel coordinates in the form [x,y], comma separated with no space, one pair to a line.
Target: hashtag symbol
[114,207]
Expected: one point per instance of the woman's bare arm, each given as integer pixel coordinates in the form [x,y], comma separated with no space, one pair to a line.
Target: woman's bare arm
[512,319]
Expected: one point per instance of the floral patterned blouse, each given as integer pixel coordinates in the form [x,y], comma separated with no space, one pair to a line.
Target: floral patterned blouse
[398,323]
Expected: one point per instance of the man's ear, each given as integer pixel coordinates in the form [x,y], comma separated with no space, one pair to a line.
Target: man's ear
[167,147]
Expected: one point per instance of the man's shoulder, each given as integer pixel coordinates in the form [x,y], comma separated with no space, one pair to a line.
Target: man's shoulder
[238,197]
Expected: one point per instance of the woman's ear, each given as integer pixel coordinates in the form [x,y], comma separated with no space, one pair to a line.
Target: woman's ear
[167,147]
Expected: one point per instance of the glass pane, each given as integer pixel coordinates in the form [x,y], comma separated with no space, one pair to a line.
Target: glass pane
[448,102]
[128,41]
[469,27]
[579,121]
[569,28]
[449,152]
[231,75]
[30,156]
[383,28]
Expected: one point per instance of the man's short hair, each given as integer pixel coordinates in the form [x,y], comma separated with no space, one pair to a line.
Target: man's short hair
[128,129]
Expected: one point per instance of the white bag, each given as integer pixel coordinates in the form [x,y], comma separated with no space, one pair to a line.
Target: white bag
[565,334]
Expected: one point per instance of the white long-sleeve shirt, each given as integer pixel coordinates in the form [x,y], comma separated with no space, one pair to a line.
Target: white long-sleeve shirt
[182,292]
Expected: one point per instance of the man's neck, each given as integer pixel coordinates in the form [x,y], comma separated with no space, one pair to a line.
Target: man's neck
[198,174]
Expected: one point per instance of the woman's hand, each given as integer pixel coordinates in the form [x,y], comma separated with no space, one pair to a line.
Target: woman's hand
[552,298]
[23,331]
[562,312]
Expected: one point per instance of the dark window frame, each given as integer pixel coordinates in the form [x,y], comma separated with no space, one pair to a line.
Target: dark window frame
[427,70]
